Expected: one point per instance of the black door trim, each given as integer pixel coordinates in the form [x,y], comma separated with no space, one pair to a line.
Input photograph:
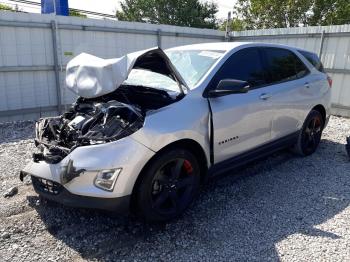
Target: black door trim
[211,133]
[253,154]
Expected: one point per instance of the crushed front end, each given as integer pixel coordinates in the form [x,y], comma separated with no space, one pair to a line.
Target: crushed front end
[99,175]
[87,157]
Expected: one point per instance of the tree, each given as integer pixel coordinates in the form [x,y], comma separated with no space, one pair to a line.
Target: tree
[292,13]
[193,13]
[330,12]
[235,24]
[76,13]
[273,13]
[6,7]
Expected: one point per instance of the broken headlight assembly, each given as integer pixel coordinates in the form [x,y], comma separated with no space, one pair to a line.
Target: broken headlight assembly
[106,179]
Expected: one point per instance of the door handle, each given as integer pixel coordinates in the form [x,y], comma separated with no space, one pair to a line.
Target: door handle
[307,85]
[265,96]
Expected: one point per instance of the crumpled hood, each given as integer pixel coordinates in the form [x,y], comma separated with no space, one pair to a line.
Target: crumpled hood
[89,76]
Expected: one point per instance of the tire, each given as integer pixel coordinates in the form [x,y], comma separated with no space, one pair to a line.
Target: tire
[310,135]
[168,186]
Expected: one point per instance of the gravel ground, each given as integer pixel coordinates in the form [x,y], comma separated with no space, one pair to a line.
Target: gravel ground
[283,208]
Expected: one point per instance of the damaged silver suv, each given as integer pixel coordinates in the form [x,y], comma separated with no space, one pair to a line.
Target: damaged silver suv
[149,127]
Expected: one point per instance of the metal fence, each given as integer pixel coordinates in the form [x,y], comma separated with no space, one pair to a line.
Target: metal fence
[332,43]
[34,50]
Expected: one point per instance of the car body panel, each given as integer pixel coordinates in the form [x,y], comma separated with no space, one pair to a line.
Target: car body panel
[186,119]
[293,100]
[90,76]
[239,121]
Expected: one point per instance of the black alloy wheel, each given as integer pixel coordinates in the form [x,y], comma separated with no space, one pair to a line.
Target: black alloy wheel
[172,186]
[169,186]
[311,133]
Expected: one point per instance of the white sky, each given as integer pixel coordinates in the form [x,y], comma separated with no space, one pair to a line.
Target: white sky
[110,6]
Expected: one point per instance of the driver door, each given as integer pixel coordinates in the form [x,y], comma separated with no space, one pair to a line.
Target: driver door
[241,121]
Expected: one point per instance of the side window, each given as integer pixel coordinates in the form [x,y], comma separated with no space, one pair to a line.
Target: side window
[283,65]
[243,65]
[313,59]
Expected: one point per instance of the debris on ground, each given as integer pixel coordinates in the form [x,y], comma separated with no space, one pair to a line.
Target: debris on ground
[11,192]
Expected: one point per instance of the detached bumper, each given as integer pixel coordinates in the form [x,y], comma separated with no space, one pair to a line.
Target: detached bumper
[55,192]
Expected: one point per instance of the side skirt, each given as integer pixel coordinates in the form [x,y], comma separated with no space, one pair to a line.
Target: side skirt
[253,154]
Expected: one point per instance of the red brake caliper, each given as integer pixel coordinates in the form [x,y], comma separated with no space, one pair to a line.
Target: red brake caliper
[188,167]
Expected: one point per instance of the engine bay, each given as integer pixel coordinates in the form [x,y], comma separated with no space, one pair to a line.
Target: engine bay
[97,120]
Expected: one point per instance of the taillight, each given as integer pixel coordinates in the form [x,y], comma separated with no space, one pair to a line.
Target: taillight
[330,81]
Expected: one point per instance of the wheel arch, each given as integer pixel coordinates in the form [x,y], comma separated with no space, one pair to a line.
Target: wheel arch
[189,144]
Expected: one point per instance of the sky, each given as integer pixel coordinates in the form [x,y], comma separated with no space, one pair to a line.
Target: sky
[110,6]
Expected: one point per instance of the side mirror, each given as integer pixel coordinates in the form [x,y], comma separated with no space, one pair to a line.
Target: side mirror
[228,87]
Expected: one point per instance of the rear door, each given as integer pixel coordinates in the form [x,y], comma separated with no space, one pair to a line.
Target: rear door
[240,121]
[289,90]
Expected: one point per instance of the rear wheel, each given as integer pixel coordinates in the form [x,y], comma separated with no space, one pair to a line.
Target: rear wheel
[310,135]
[168,186]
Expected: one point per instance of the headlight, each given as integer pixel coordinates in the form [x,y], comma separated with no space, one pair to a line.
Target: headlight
[106,179]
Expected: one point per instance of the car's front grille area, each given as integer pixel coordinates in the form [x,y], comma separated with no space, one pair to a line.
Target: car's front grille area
[46,186]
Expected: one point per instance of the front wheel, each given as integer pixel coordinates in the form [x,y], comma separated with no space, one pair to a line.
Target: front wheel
[310,135]
[168,186]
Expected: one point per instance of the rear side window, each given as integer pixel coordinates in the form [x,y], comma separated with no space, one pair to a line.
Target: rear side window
[283,65]
[245,65]
[313,59]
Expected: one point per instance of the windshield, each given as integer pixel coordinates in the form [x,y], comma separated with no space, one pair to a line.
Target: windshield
[193,64]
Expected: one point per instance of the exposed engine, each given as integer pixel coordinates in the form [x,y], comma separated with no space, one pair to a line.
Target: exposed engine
[98,120]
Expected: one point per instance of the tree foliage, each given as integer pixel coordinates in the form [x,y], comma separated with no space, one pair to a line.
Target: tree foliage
[235,24]
[76,13]
[193,13]
[292,13]
[330,12]
[6,7]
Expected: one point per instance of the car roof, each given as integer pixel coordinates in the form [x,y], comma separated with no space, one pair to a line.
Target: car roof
[226,46]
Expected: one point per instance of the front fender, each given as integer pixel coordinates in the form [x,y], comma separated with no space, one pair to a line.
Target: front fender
[188,118]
